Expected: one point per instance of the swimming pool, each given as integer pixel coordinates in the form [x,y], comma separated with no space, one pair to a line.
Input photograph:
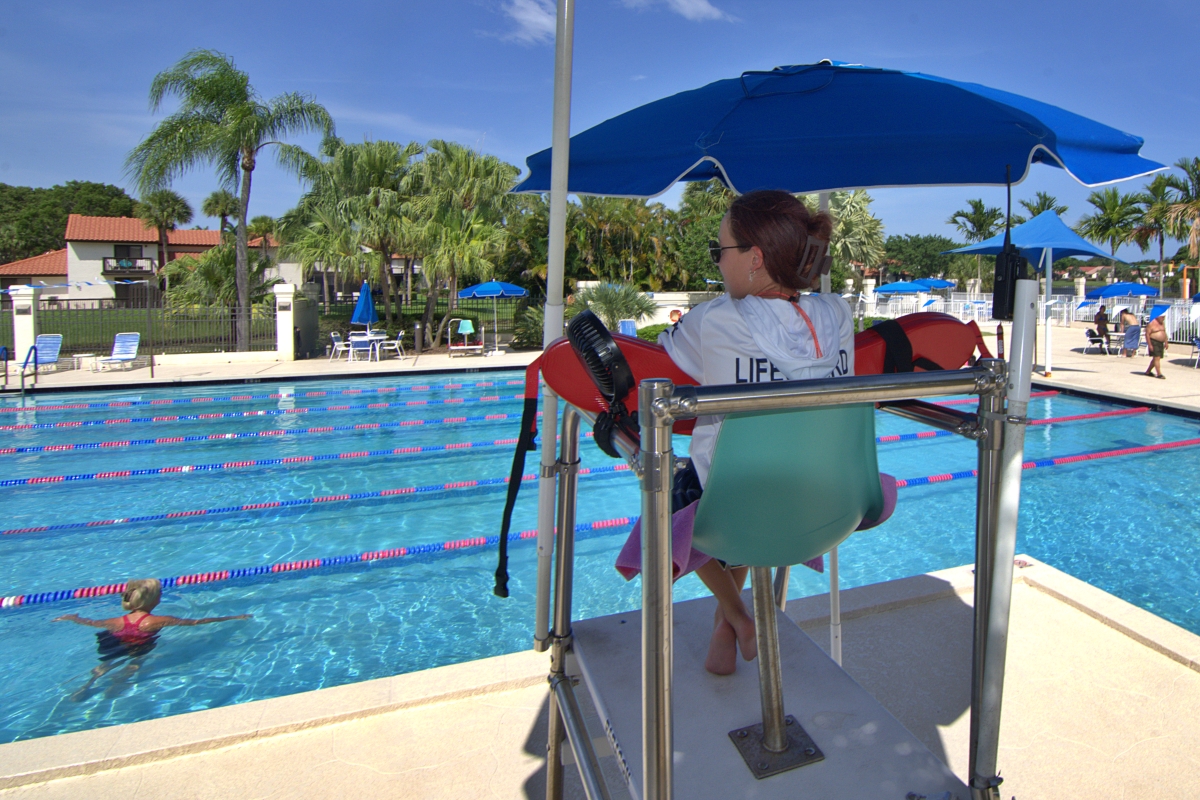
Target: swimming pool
[1104,521]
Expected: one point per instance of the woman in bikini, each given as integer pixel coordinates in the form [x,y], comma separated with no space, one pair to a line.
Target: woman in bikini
[135,634]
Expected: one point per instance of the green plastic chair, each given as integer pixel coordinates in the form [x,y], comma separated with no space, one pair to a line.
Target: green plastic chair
[788,486]
[784,488]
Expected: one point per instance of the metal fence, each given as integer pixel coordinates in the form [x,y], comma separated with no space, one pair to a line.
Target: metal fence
[169,330]
[477,309]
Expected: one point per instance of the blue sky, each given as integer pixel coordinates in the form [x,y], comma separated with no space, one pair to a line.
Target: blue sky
[480,72]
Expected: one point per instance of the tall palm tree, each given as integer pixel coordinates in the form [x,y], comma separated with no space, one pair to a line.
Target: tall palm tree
[163,209]
[1113,223]
[1154,220]
[613,302]
[1041,202]
[461,204]
[979,223]
[857,236]
[222,204]
[223,122]
[262,228]
[325,239]
[1185,211]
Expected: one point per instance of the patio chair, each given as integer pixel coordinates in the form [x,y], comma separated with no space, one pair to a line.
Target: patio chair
[1096,340]
[395,345]
[124,351]
[360,345]
[46,346]
[465,329]
[339,346]
[627,327]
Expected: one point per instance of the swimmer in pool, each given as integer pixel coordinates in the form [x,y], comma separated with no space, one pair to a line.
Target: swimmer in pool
[133,635]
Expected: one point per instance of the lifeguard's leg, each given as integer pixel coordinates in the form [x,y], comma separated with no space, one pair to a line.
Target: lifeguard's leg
[731,617]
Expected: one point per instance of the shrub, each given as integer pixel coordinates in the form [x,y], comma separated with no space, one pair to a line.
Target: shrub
[650,332]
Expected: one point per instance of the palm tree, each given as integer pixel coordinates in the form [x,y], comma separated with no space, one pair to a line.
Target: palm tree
[262,227]
[325,239]
[1113,223]
[221,121]
[163,209]
[209,279]
[1185,211]
[980,223]
[857,236]
[613,302]
[1041,203]
[222,204]
[461,204]
[1154,221]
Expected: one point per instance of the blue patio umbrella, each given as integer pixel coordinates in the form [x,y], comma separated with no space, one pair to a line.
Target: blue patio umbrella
[1123,289]
[493,289]
[830,125]
[1046,231]
[935,283]
[902,287]
[364,312]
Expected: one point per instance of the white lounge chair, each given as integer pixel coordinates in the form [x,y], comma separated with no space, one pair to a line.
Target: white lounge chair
[394,345]
[124,351]
[339,346]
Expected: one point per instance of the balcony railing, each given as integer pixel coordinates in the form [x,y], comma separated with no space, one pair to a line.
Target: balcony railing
[126,265]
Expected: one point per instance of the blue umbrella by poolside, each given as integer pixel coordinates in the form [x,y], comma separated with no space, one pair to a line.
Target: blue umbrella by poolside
[1046,231]
[804,128]
[902,287]
[364,312]
[935,283]
[1123,289]
[493,289]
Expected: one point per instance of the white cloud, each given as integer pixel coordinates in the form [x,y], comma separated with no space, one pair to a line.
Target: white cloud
[694,10]
[376,121]
[535,20]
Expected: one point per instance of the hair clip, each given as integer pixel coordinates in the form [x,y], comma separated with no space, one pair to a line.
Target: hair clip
[815,260]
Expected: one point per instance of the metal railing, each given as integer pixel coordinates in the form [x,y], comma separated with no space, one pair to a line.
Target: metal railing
[127,265]
[998,429]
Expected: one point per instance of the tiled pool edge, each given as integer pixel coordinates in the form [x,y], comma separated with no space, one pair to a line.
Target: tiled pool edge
[86,752]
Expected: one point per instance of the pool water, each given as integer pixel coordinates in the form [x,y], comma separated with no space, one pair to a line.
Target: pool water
[1126,525]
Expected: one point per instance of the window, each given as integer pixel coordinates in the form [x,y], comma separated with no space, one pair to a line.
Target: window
[124,251]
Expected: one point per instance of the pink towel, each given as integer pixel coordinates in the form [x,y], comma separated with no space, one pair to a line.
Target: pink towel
[686,558]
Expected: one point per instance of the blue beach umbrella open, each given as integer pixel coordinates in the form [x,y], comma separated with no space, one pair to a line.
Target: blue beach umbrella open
[1123,289]
[1046,231]
[831,125]
[902,287]
[493,289]
[935,283]
[364,312]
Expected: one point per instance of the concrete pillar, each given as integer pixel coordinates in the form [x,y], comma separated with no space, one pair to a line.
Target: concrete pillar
[285,304]
[869,296]
[1080,287]
[25,320]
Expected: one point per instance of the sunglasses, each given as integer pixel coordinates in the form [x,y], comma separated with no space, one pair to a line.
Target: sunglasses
[714,249]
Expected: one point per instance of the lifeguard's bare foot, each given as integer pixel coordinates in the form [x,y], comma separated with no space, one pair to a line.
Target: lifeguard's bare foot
[722,648]
[747,640]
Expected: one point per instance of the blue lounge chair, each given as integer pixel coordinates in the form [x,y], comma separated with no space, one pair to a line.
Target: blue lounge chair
[124,351]
[627,327]
[44,352]
[361,344]
[339,346]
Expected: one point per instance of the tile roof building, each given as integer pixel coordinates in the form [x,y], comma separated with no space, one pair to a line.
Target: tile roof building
[49,268]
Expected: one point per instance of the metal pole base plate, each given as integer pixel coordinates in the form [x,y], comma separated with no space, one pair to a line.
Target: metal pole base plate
[801,750]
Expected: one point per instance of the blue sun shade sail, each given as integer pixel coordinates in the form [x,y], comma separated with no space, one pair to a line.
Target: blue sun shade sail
[1045,230]
[492,289]
[902,287]
[826,126]
[364,312]
[1123,289]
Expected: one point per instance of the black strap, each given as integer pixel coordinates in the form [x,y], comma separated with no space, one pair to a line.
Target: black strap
[524,444]
[898,352]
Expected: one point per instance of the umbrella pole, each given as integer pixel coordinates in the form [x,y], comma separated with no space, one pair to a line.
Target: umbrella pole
[1048,257]
[560,141]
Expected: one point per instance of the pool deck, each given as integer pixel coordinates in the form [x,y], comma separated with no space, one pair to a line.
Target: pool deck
[1100,702]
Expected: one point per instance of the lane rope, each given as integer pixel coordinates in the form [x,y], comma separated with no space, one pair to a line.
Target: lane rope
[363,426]
[242,398]
[405,492]
[271,412]
[269,570]
[193,469]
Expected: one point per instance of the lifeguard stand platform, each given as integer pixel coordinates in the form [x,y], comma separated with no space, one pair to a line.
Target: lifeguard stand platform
[801,727]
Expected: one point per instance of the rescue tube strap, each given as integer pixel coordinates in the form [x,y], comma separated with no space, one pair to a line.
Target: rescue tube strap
[525,443]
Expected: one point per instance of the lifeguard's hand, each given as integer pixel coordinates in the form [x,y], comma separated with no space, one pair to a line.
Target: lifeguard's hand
[66,618]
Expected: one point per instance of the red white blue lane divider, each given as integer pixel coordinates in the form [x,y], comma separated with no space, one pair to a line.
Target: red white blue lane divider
[364,426]
[908,437]
[192,469]
[241,398]
[385,494]
[199,578]
[1054,462]
[966,400]
[271,412]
